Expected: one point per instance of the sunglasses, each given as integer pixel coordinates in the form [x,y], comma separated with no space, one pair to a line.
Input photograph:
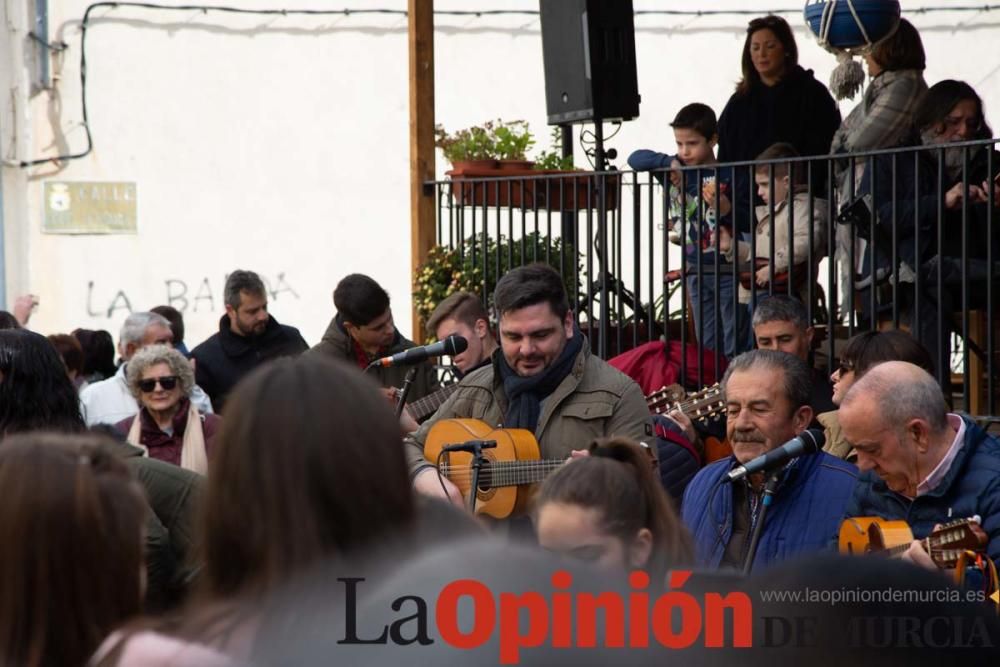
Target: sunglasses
[168,382]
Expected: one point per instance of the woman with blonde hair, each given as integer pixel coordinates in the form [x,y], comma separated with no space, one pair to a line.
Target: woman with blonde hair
[168,426]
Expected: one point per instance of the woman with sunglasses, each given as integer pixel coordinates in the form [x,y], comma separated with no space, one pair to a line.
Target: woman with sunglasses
[861,353]
[168,426]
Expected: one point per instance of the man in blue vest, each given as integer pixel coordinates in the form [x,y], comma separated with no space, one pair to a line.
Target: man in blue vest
[919,463]
[767,404]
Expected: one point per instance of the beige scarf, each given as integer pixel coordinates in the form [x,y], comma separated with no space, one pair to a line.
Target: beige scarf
[193,456]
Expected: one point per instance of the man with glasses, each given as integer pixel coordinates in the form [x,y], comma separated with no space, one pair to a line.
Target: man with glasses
[110,401]
[363,331]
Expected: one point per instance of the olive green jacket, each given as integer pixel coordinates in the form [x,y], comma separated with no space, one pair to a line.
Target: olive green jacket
[592,401]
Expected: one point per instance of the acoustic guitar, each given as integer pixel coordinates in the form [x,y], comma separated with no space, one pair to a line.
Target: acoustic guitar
[707,404]
[515,464]
[873,535]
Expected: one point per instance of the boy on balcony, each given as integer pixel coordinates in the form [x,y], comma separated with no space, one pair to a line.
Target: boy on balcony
[696,133]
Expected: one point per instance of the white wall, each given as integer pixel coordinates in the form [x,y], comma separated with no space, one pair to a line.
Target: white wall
[280,143]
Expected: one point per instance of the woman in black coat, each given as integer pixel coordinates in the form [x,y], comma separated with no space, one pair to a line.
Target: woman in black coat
[775,101]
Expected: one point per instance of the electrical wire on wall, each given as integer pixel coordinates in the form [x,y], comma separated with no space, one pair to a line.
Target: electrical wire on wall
[85,24]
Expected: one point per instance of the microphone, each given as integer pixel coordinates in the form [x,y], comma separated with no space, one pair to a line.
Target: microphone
[470,446]
[451,346]
[808,442]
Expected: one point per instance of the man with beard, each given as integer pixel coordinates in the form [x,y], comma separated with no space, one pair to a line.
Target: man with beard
[248,337]
[544,379]
[363,331]
[767,404]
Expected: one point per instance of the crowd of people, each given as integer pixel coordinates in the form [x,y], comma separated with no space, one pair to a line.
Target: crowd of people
[222,505]
[774,222]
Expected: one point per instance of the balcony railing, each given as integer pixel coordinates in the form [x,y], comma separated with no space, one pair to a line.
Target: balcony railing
[907,237]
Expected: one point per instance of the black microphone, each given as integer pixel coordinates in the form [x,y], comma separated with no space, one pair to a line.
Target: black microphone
[808,442]
[451,346]
[470,446]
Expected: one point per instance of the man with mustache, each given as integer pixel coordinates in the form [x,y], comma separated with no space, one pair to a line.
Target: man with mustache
[767,404]
[543,378]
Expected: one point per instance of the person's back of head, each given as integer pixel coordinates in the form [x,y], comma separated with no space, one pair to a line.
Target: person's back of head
[98,353]
[359,299]
[70,351]
[901,50]
[308,466]
[8,321]
[778,151]
[176,320]
[618,483]
[35,391]
[530,285]
[71,527]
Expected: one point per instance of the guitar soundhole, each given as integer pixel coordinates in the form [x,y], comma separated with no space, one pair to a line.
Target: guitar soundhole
[486,490]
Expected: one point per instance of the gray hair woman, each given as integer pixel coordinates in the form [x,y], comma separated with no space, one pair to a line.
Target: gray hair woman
[167,426]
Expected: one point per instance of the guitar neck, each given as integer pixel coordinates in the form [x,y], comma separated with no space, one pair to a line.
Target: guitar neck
[516,473]
[422,408]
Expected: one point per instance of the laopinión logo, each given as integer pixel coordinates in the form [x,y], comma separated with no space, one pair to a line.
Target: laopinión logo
[561,619]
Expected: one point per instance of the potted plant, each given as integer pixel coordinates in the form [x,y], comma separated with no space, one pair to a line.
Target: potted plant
[448,270]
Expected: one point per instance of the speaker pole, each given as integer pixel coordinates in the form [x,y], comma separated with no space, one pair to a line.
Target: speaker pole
[568,216]
[602,235]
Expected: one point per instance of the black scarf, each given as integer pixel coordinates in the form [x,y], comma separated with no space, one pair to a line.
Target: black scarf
[525,394]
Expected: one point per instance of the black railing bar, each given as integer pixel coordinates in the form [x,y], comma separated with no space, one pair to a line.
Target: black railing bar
[895,243]
[965,279]
[872,287]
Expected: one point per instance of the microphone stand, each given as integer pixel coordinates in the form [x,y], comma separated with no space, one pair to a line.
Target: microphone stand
[772,484]
[407,383]
[477,464]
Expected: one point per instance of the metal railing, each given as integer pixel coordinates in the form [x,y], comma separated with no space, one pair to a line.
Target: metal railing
[866,252]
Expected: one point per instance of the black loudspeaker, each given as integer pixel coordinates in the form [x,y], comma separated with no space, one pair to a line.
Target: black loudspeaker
[588,47]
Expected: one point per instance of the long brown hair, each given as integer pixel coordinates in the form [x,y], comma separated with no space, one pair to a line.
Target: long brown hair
[71,550]
[617,480]
[783,32]
[308,465]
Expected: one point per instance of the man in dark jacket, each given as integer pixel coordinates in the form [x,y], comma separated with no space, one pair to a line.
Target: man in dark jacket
[248,336]
[767,404]
[363,331]
[919,463]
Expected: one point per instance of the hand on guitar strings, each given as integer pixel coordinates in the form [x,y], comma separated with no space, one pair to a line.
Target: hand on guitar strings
[406,421]
[918,556]
[430,483]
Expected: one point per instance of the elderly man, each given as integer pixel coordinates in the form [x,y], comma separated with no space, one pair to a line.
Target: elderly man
[919,463]
[767,404]
[110,401]
[543,379]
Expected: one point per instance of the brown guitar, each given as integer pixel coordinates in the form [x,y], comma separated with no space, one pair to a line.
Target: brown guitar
[708,403]
[872,535]
[423,408]
[511,467]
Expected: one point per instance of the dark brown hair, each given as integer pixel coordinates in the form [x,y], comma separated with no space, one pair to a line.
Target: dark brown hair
[698,117]
[871,348]
[308,465]
[71,549]
[359,299]
[465,307]
[938,101]
[781,169]
[617,480]
[903,49]
[783,32]
[70,350]
[529,285]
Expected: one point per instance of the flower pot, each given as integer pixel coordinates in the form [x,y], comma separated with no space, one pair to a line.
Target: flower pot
[474,165]
[515,165]
[507,191]
[878,17]
[579,193]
